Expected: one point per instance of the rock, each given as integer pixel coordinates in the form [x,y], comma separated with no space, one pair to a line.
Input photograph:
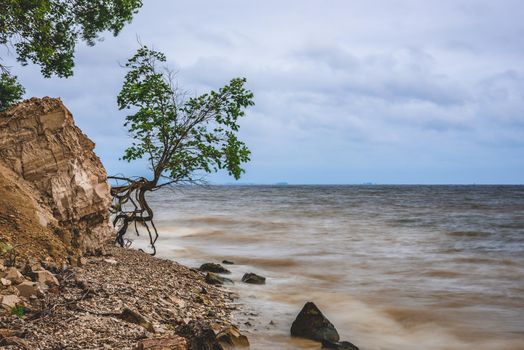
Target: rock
[5,282]
[14,341]
[232,338]
[227,262]
[26,289]
[131,316]
[64,184]
[4,333]
[46,278]
[199,336]
[253,279]
[213,278]
[10,301]
[312,324]
[10,290]
[13,275]
[216,268]
[172,342]
[81,261]
[111,261]
[343,345]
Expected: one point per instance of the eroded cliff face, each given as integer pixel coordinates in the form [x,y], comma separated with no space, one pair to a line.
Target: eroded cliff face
[52,162]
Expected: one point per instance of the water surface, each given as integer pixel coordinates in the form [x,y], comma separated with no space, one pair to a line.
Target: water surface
[393,267]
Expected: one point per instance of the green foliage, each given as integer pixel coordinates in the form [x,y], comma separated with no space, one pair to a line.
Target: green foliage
[10,91]
[18,310]
[45,32]
[182,137]
[5,247]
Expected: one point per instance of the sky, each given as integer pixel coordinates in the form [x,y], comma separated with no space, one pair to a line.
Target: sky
[346,92]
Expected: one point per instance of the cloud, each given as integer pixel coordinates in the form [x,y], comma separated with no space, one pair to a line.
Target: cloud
[392,92]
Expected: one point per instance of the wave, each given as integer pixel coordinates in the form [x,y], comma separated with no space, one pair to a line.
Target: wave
[468,234]
[241,222]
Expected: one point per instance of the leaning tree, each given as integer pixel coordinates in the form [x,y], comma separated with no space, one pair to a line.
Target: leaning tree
[182,138]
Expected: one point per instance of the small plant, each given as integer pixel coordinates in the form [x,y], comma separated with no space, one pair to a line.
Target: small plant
[8,252]
[18,310]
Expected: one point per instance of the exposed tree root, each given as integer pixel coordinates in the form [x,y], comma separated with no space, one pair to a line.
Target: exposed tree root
[130,207]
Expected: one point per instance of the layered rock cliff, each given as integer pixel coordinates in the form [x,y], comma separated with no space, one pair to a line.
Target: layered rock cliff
[55,194]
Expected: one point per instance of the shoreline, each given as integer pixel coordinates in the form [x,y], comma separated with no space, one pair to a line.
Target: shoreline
[85,311]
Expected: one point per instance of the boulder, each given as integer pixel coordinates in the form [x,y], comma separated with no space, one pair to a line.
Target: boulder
[227,262]
[231,338]
[27,289]
[343,345]
[5,282]
[212,267]
[312,324]
[10,290]
[10,301]
[45,278]
[131,316]
[253,279]
[12,274]
[172,342]
[199,336]
[213,278]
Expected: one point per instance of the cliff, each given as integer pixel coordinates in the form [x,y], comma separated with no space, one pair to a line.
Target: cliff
[54,196]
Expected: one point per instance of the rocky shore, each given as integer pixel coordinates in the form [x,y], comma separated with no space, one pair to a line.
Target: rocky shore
[122,299]
[64,285]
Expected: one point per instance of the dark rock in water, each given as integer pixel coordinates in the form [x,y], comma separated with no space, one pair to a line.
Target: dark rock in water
[312,324]
[253,278]
[232,338]
[199,336]
[343,345]
[227,262]
[216,268]
[213,278]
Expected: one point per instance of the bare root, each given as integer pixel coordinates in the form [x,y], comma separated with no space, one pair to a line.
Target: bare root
[130,207]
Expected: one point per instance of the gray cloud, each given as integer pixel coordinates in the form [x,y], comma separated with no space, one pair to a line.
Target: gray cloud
[386,91]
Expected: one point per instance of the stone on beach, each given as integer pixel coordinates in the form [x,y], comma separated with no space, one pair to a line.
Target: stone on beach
[44,277]
[131,316]
[199,335]
[253,278]
[227,262]
[312,324]
[27,289]
[215,268]
[12,274]
[10,301]
[164,343]
[232,338]
[213,278]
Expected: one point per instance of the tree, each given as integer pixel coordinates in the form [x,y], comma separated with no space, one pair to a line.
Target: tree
[10,91]
[45,32]
[182,138]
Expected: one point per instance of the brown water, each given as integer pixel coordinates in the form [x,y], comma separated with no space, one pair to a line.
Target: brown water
[393,267]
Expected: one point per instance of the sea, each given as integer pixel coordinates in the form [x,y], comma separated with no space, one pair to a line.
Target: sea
[392,267]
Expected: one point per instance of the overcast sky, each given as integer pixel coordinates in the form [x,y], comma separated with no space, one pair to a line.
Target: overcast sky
[345,91]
